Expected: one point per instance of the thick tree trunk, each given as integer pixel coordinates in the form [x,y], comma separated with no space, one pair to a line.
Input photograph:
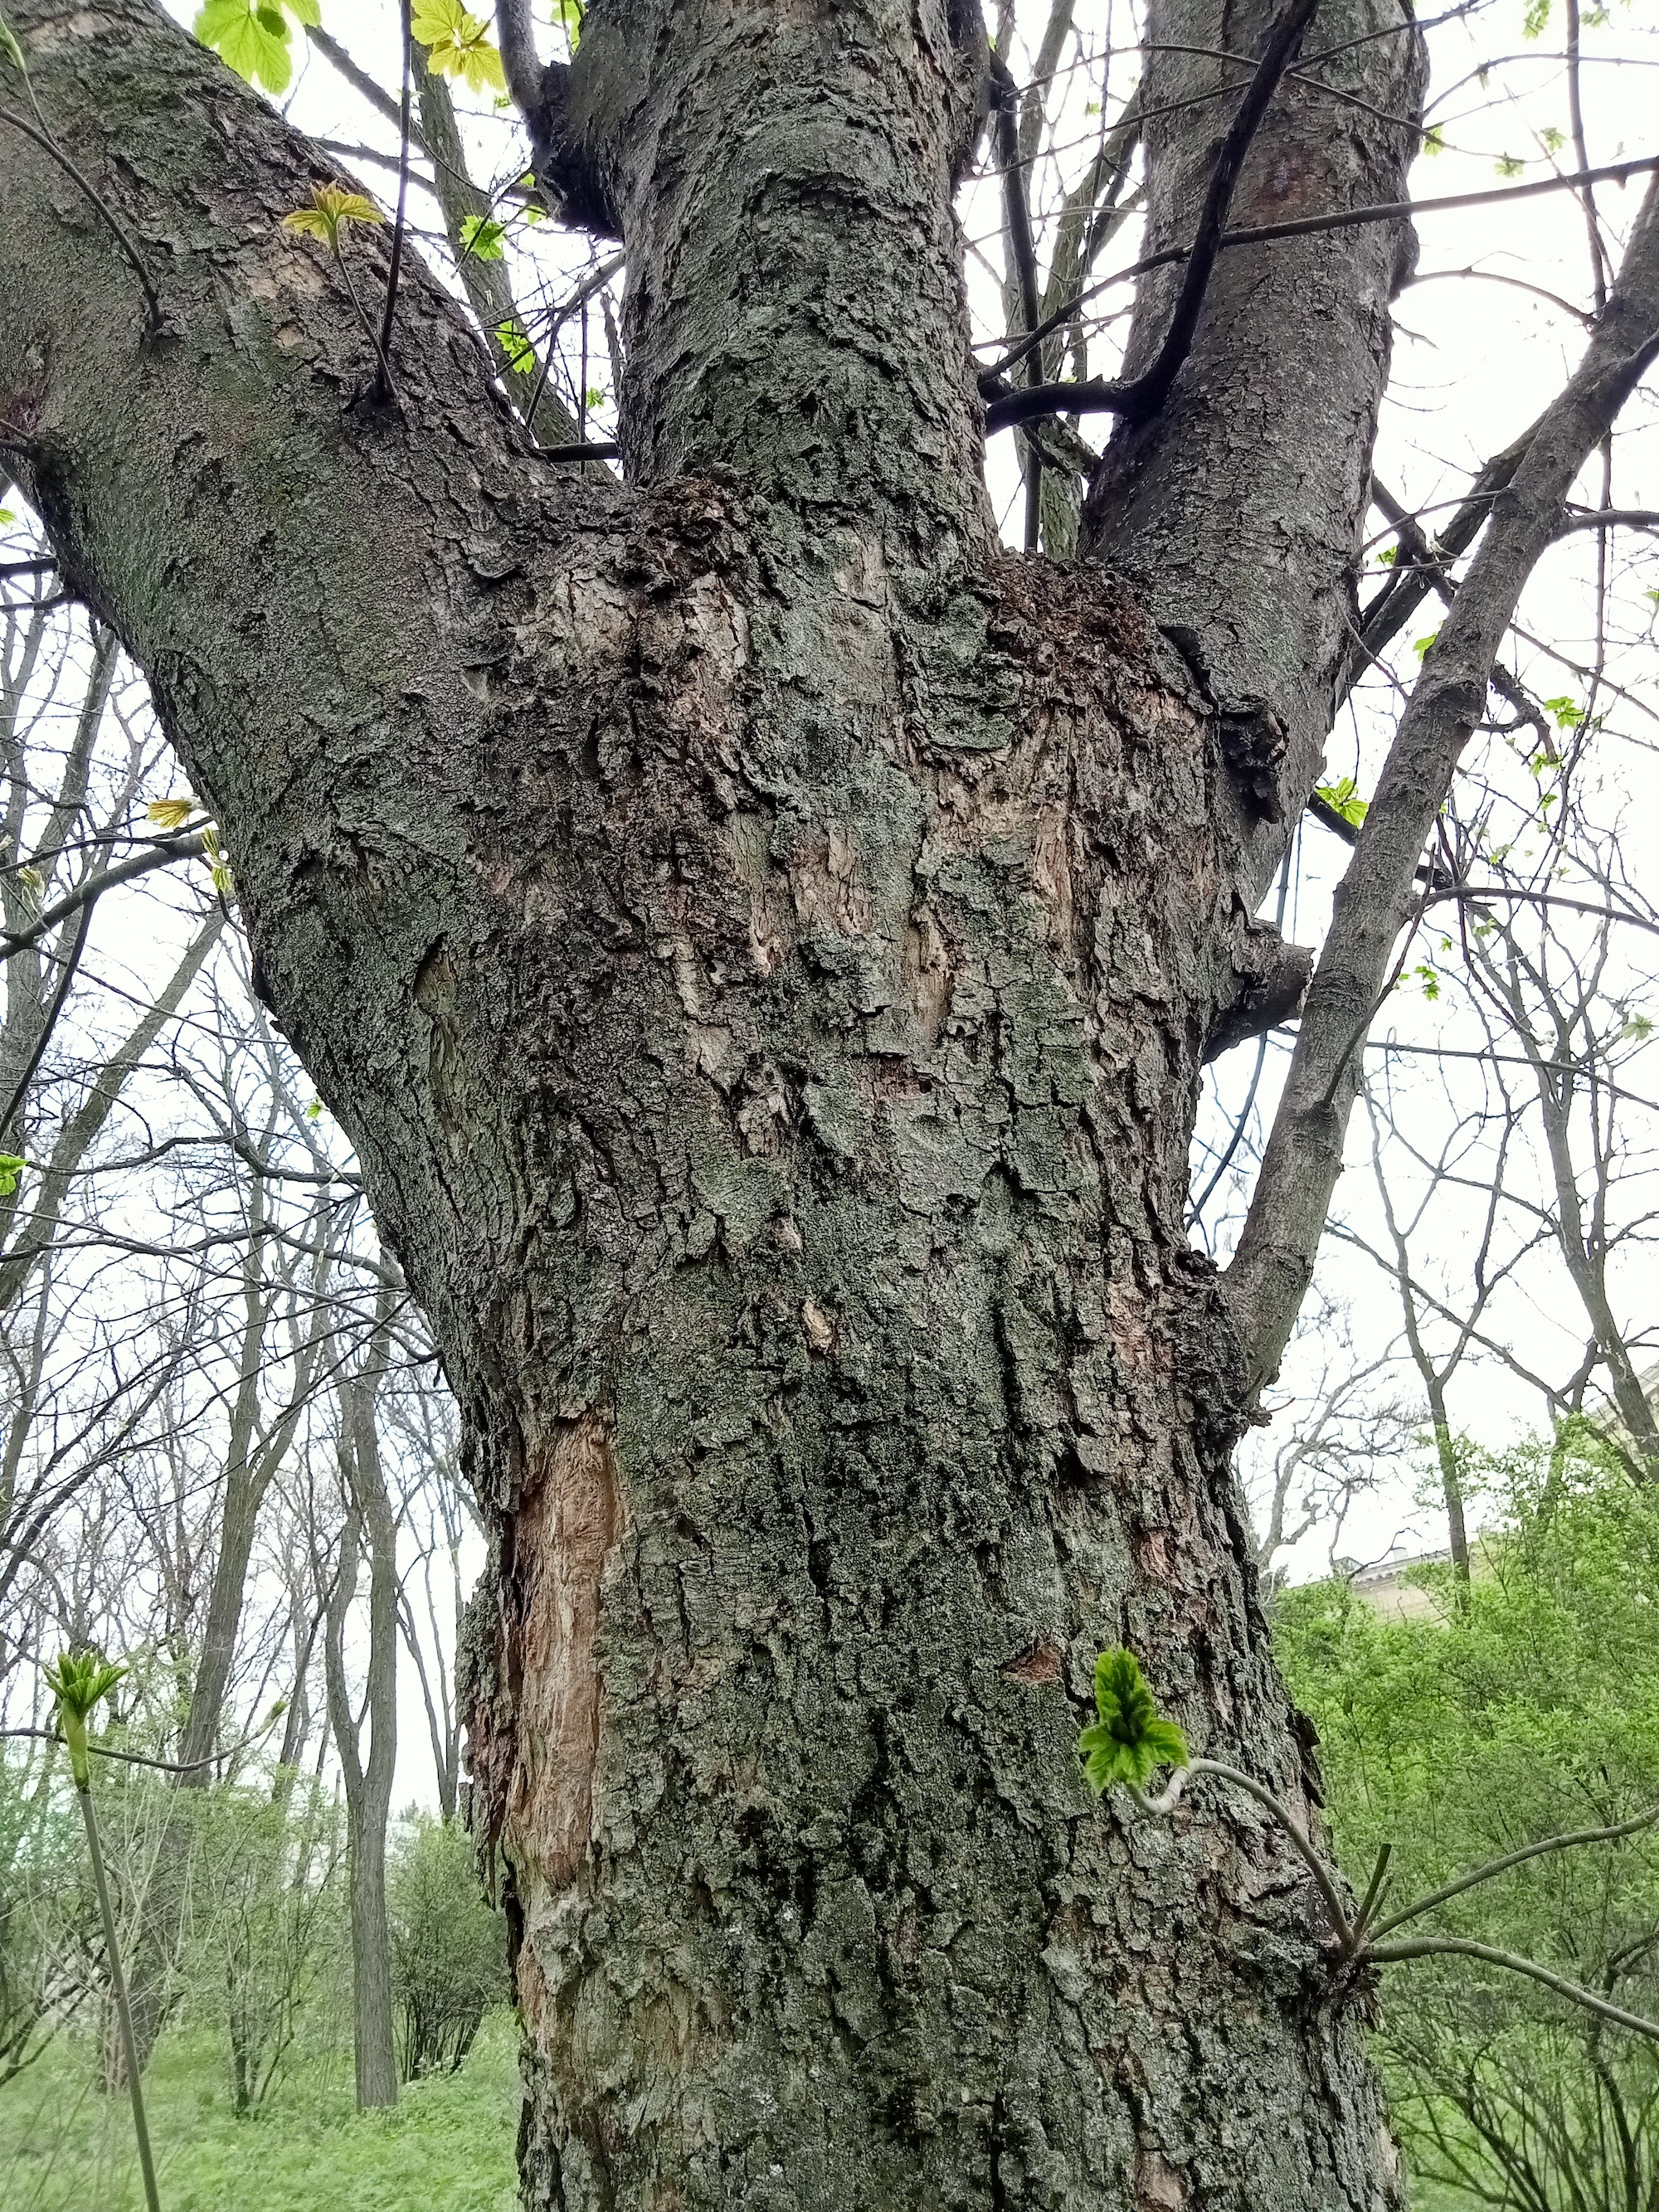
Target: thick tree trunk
[761,940]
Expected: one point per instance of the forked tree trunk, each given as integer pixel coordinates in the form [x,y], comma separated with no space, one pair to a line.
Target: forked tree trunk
[761,940]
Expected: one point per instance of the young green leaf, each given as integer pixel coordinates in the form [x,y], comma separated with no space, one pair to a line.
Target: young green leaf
[253,37]
[11,50]
[78,1683]
[1130,1739]
[11,1167]
[1343,796]
[482,236]
[332,208]
[521,354]
[169,814]
[457,45]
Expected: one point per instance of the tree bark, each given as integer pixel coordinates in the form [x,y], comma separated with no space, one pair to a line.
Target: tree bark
[762,941]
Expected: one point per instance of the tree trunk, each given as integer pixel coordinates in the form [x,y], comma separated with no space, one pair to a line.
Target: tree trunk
[368,1778]
[761,940]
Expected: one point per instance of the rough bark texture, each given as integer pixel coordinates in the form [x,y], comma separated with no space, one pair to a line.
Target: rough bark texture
[762,941]
[1237,508]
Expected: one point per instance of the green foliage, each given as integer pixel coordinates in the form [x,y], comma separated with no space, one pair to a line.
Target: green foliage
[457,45]
[79,1681]
[48,1934]
[521,354]
[12,1165]
[1130,1741]
[1528,1709]
[1344,797]
[254,36]
[568,15]
[448,1946]
[446,2147]
[270,1921]
[332,210]
[14,54]
[482,236]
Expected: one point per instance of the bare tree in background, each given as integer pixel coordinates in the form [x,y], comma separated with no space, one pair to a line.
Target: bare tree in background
[366,1735]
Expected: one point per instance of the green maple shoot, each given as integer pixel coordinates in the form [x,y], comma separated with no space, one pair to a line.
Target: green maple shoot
[12,1165]
[14,54]
[482,236]
[80,1682]
[1131,1739]
[457,45]
[333,209]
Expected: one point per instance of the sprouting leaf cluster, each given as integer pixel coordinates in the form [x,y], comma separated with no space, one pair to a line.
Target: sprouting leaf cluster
[255,36]
[457,45]
[1131,1739]
[79,1680]
[332,208]
[1343,798]
[12,1165]
[520,354]
[482,236]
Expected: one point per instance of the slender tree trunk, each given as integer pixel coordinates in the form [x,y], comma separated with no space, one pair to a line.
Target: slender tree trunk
[1451,1481]
[367,1774]
[374,2037]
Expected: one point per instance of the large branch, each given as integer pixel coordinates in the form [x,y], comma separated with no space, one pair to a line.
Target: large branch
[1273,1263]
[1237,504]
[1135,398]
[311,583]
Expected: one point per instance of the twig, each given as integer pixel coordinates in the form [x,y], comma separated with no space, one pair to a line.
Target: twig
[603,449]
[1143,395]
[48,145]
[1300,1841]
[141,1758]
[1456,1946]
[1356,1948]
[122,2006]
[1264,233]
[384,388]
[20,1091]
[1373,1894]
[163,856]
[1495,1867]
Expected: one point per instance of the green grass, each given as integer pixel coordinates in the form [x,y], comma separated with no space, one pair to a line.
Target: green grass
[448,2146]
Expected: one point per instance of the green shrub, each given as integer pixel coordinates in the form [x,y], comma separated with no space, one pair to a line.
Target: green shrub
[448,1946]
[1530,1709]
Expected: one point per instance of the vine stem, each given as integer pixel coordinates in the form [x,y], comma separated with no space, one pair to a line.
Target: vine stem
[1358,1948]
[1301,1842]
[122,2007]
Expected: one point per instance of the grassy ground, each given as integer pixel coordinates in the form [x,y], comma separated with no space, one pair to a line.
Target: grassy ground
[448,2146]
